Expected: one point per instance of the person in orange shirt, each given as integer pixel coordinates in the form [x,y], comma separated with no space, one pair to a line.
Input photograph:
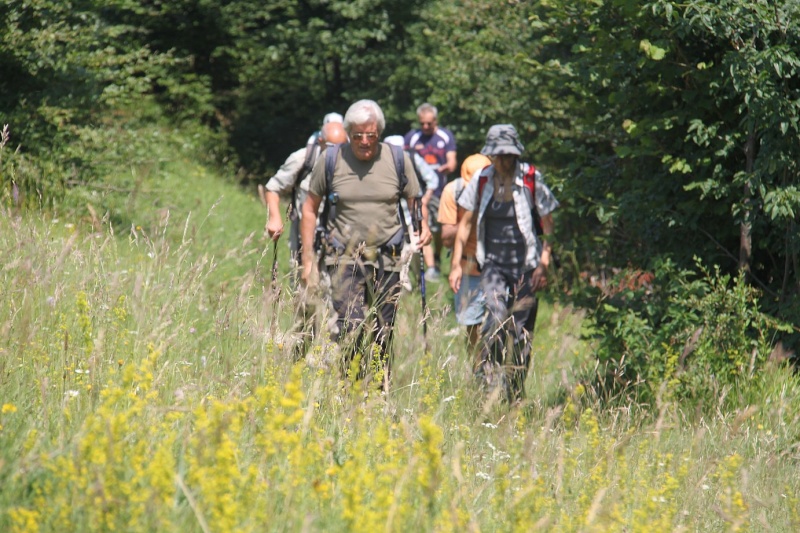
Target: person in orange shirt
[469,300]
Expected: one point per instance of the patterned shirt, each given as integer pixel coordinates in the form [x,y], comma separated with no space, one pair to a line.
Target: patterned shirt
[546,203]
[433,149]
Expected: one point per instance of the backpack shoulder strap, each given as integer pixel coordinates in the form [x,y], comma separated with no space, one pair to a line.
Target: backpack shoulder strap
[331,155]
[482,179]
[398,155]
[312,152]
[529,180]
[413,155]
[330,199]
[400,166]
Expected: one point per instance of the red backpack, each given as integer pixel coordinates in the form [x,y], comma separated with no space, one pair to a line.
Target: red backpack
[529,180]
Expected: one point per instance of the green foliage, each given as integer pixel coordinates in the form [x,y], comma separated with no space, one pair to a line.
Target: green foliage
[64,66]
[688,335]
[684,134]
[295,61]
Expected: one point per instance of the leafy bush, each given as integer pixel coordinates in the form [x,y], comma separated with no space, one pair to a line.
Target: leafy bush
[69,73]
[687,335]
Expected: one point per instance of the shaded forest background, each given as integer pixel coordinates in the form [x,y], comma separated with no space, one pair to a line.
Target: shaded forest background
[669,131]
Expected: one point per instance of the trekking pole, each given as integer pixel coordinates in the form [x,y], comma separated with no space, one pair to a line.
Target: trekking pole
[274,262]
[418,227]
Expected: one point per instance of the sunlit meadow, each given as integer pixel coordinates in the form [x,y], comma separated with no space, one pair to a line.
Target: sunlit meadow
[147,384]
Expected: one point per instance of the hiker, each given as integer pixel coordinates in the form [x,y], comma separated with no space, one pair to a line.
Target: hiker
[468,300]
[511,208]
[292,180]
[437,146]
[362,235]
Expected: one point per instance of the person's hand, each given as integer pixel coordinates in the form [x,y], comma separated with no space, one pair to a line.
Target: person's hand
[539,278]
[310,275]
[413,241]
[425,236]
[274,228]
[455,277]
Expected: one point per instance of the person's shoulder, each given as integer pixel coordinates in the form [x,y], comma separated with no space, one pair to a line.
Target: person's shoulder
[449,190]
[412,137]
[445,134]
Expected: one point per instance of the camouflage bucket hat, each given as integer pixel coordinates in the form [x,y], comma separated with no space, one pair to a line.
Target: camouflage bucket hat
[502,139]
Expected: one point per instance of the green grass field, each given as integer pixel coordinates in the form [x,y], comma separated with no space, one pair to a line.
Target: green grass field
[147,384]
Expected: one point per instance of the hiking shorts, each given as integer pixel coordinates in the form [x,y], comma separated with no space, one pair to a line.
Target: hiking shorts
[470,303]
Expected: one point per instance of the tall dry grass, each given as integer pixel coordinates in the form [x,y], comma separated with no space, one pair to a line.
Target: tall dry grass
[138,396]
[147,383]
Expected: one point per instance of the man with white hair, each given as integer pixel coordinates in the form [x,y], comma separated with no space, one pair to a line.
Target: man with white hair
[362,234]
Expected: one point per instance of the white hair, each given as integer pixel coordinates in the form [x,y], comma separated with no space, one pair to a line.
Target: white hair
[363,112]
[428,108]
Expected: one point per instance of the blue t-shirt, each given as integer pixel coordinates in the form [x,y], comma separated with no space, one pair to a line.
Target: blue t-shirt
[433,149]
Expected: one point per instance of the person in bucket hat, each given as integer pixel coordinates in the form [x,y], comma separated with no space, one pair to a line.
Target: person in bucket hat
[512,210]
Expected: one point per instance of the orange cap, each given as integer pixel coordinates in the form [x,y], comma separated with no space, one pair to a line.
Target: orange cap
[473,163]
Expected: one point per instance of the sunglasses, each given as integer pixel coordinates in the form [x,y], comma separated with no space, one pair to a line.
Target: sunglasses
[370,136]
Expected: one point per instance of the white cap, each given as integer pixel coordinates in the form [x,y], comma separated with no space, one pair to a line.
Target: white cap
[396,140]
[333,117]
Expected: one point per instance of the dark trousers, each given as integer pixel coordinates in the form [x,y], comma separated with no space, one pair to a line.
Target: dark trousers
[507,331]
[365,300]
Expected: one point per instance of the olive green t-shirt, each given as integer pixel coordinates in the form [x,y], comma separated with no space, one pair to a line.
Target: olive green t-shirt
[368,192]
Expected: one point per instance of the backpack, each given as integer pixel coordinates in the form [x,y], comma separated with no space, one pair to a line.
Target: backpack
[529,180]
[312,152]
[395,244]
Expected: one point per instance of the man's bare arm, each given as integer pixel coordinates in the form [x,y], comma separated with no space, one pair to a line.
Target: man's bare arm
[275,220]
[308,226]
[464,227]
[450,164]
[449,232]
